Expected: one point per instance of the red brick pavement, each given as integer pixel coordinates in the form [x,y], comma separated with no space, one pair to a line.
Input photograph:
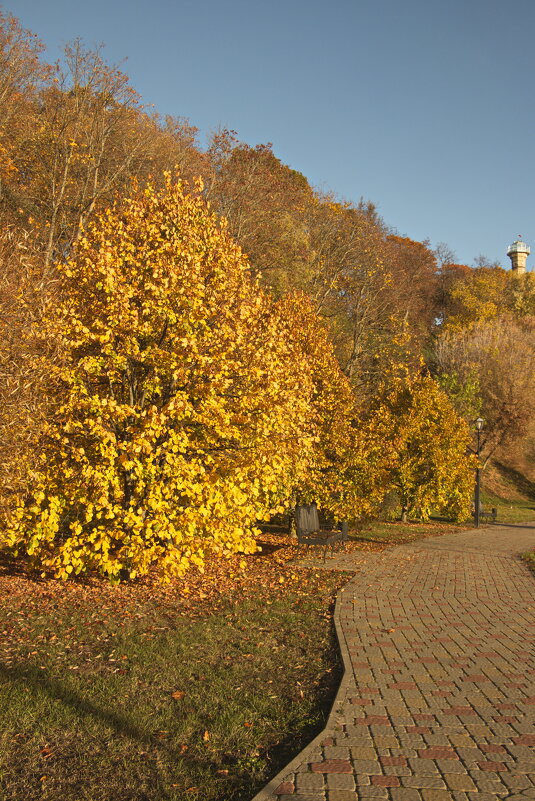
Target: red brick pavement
[437,700]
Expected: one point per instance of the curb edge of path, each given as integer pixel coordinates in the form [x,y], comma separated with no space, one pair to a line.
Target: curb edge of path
[268,791]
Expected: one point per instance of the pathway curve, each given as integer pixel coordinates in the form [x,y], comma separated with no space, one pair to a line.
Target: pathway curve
[438,696]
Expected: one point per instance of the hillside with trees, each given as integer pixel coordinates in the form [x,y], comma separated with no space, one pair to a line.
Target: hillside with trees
[193,339]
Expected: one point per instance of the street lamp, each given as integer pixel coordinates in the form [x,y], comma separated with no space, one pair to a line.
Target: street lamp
[479,426]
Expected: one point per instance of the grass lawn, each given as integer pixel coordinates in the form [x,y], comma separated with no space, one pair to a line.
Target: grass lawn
[510,510]
[139,692]
[134,692]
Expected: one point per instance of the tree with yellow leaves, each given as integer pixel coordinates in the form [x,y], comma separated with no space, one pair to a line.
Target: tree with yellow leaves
[186,403]
[346,473]
[431,468]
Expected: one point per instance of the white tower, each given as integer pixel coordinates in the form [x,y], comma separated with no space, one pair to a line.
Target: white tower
[518,253]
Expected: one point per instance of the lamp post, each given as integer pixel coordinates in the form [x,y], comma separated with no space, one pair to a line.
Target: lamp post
[479,426]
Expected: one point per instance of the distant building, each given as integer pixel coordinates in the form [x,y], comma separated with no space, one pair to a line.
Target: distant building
[518,253]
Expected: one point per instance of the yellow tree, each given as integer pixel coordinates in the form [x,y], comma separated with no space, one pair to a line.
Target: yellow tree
[186,402]
[430,468]
[474,295]
[346,474]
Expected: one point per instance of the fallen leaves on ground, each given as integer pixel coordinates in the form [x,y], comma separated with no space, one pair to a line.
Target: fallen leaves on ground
[270,573]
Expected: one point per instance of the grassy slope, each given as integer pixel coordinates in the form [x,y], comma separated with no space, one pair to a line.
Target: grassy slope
[511,489]
[509,485]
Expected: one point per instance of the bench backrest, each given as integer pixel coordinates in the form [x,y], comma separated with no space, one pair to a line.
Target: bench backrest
[307,518]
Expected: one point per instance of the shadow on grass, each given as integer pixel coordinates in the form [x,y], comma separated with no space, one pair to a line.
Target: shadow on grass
[290,746]
[517,479]
[515,525]
[38,681]
[239,786]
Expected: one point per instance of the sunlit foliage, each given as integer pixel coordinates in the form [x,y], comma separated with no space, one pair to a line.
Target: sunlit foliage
[186,402]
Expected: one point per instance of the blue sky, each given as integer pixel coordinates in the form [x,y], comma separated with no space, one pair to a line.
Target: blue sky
[424,107]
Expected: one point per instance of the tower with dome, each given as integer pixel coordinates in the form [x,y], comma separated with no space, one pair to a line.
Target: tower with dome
[518,253]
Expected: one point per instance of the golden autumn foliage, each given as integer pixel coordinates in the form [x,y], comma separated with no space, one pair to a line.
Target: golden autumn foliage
[187,404]
[346,475]
[500,352]
[428,444]
[26,292]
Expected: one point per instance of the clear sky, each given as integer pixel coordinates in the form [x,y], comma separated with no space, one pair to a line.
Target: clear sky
[424,107]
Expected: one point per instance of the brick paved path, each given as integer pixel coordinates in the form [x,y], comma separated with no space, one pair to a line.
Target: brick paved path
[438,696]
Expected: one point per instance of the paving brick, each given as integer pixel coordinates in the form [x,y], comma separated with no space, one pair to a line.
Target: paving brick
[332,766]
[495,767]
[490,748]
[336,752]
[363,752]
[459,781]
[383,741]
[423,767]
[437,753]
[397,770]
[460,711]
[309,781]
[480,796]
[404,794]
[368,766]
[461,740]
[338,795]
[437,739]
[515,781]
[424,782]
[525,739]
[340,781]
[356,742]
[385,781]
[450,766]
[436,795]
[525,766]
[403,685]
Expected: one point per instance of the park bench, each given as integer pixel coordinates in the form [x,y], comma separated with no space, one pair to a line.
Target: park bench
[309,532]
[489,516]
